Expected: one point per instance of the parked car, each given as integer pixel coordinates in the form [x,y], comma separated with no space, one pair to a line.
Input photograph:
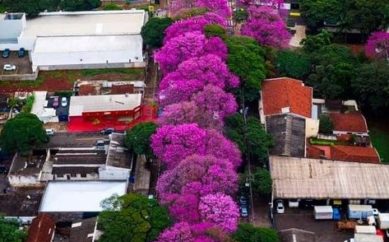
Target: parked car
[21,53]
[55,102]
[50,132]
[280,207]
[244,212]
[9,67]
[375,212]
[64,101]
[107,131]
[243,200]
[6,53]
[293,203]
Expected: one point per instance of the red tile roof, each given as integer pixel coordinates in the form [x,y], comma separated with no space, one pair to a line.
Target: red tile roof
[41,229]
[349,122]
[278,93]
[122,89]
[87,90]
[354,153]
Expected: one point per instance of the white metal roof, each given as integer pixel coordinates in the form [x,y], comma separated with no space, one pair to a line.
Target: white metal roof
[67,44]
[357,207]
[103,103]
[322,179]
[84,196]
[85,23]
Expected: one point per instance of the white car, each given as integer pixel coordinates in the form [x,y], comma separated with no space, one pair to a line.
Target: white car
[64,101]
[50,132]
[376,212]
[294,203]
[280,207]
[9,67]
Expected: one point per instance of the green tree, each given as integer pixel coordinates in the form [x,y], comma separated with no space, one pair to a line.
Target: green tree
[334,68]
[22,133]
[212,30]
[371,85]
[262,183]
[240,15]
[153,31]
[132,218]
[31,8]
[138,138]
[10,232]
[325,126]
[246,60]
[258,141]
[293,64]
[112,6]
[247,232]
[315,42]
[79,5]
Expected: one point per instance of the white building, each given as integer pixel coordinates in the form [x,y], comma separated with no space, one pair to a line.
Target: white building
[77,40]
[40,108]
[83,196]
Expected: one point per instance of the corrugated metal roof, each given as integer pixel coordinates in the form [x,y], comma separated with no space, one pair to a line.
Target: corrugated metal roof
[322,179]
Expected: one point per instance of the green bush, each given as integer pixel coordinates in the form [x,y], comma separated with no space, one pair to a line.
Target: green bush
[29,102]
[112,6]
[326,126]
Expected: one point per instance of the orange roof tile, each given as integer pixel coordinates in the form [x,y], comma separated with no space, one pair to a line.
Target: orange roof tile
[122,89]
[354,153]
[278,93]
[349,122]
[41,229]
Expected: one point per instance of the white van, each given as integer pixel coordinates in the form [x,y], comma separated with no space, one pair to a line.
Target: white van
[50,132]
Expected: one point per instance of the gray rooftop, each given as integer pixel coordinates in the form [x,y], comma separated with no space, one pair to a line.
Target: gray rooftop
[118,155]
[288,132]
[82,231]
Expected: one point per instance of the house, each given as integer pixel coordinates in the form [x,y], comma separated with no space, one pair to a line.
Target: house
[77,40]
[84,230]
[328,181]
[349,123]
[41,109]
[93,113]
[365,154]
[288,102]
[42,229]
[81,197]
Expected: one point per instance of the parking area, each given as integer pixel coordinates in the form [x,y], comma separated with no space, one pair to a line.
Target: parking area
[325,230]
[23,64]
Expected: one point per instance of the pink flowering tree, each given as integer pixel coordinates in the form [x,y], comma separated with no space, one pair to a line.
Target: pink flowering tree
[197,175]
[189,112]
[172,144]
[274,3]
[207,108]
[219,7]
[377,46]
[221,210]
[186,46]
[192,75]
[266,27]
[185,232]
[196,23]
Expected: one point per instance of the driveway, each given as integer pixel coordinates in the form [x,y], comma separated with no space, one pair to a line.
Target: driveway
[23,65]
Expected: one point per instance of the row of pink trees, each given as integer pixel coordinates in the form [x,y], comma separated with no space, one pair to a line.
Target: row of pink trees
[200,162]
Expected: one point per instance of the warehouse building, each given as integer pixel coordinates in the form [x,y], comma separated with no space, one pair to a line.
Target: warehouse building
[77,40]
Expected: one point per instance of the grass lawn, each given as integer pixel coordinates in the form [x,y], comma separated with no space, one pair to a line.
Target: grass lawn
[380,141]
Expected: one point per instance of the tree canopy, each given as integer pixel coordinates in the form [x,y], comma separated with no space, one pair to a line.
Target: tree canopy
[246,60]
[262,183]
[293,64]
[132,218]
[325,126]
[258,141]
[22,133]
[247,232]
[138,138]
[153,31]
[10,232]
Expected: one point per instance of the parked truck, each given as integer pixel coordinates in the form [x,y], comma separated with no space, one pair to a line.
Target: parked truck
[383,220]
[359,211]
[323,212]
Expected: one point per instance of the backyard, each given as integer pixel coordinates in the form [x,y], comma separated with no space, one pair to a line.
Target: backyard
[379,134]
[63,80]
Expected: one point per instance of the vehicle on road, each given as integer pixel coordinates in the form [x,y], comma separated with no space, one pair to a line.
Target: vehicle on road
[64,101]
[21,53]
[243,200]
[107,131]
[9,67]
[280,207]
[50,132]
[55,102]
[244,212]
[6,53]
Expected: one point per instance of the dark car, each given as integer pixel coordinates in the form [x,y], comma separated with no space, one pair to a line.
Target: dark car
[107,131]
[243,200]
[244,212]
[21,52]
[6,53]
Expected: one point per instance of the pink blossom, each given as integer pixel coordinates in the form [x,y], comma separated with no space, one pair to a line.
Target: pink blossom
[186,46]
[266,27]
[184,232]
[377,45]
[217,6]
[219,209]
[197,175]
[196,23]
